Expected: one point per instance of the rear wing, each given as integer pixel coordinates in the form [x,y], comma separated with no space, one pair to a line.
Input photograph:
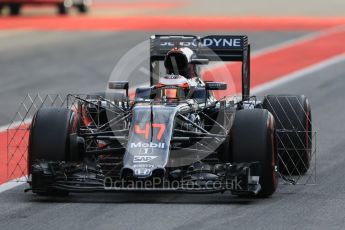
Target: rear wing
[214,48]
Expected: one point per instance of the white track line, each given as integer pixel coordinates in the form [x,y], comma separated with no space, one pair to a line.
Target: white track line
[14,125]
[298,40]
[288,43]
[299,74]
[18,181]
[12,184]
[10,33]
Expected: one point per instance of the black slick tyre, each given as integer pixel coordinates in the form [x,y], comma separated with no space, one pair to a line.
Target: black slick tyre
[292,113]
[50,140]
[15,9]
[253,140]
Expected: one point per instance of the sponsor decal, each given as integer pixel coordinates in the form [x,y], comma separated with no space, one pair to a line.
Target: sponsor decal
[148,145]
[222,42]
[145,151]
[183,44]
[209,42]
[142,172]
[143,159]
[143,166]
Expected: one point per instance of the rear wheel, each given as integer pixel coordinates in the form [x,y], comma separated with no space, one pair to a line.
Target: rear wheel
[253,140]
[292,113]
[51,140]
[82,8]
[62,9]
[15,8]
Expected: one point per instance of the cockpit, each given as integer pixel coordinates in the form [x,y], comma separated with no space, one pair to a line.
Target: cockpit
[172,87]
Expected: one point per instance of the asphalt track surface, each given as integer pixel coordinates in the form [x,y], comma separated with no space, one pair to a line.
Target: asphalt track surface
[60,62]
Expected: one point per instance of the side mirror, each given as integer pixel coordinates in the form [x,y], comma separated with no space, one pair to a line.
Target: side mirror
[216,85]
[143,93]
[199,61]
[119,85]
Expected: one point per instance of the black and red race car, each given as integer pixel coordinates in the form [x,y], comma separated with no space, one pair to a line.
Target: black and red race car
[174,136]
[63,6]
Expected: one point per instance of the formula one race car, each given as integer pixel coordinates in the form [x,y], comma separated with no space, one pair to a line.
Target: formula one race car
[63,6]
[174,136]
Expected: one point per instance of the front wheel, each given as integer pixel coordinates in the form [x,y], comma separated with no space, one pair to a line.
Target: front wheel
[62,9]
[1,7]
[82,8]
[50,140]
[253,139]
[15,8]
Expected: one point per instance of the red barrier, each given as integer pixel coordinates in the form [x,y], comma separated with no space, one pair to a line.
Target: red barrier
[144,23]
